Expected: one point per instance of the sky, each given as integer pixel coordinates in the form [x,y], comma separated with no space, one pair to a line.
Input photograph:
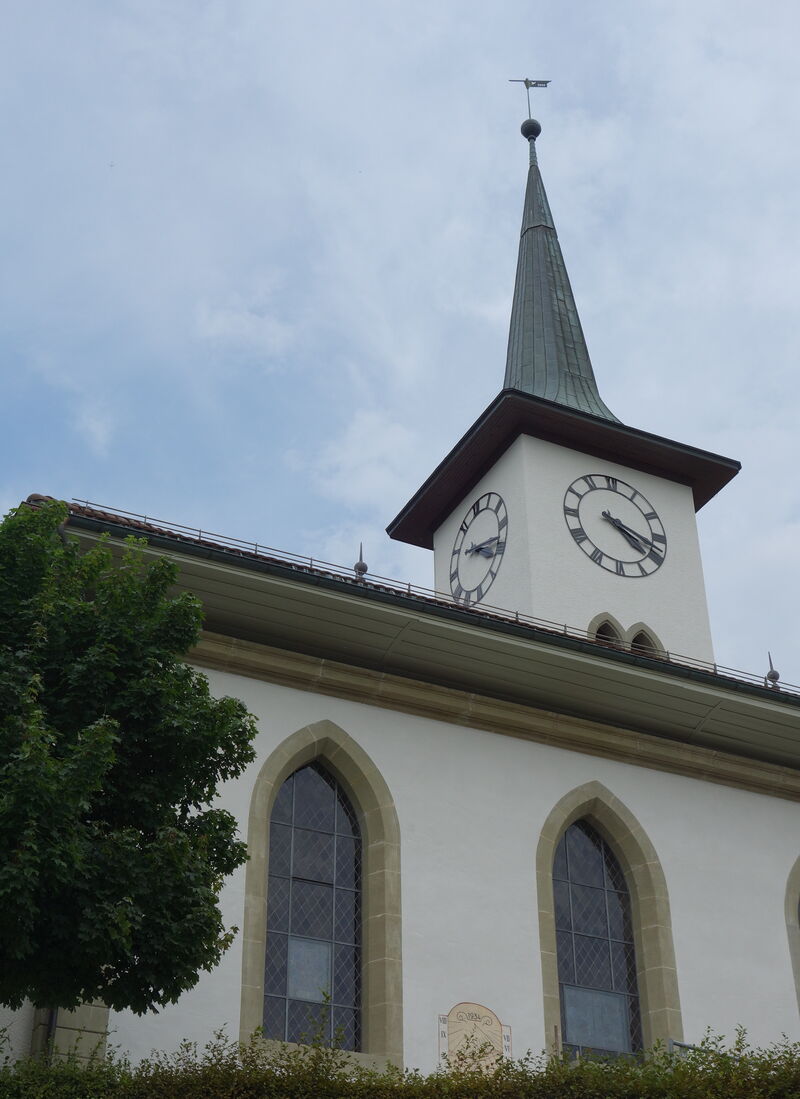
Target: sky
[257,258]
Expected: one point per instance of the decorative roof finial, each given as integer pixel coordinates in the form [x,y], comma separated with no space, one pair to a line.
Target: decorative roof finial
[528,85]
[772,676]
[360,567]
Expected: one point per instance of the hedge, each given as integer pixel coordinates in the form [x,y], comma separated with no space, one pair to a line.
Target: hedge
[230,1070]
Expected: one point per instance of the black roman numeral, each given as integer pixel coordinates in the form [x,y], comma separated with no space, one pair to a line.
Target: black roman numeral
[502,523]
[589,481]
[579,534]
[654,555]
[611,482]
[620,568]
[650,515]
[597,556]
[571,511]
[659,538]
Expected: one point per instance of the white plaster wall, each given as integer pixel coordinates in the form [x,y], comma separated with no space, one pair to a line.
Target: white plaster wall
[471,805]
[545,574]
[16,1028]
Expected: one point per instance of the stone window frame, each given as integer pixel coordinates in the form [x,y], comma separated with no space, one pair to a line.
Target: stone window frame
[657,973]
[793,923]
[382,988]
[625,638]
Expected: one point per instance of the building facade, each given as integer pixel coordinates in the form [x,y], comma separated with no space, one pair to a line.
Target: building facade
[526,804]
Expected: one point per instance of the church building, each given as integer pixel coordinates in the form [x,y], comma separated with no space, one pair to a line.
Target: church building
[526,804]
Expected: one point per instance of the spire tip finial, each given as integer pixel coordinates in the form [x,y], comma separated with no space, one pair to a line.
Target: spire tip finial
[530,129]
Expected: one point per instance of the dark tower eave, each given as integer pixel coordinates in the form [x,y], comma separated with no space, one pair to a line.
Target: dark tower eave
[514,413]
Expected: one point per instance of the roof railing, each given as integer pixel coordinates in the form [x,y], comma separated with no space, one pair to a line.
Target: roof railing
[405,588]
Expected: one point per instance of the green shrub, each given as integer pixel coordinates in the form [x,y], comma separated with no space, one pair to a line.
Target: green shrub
[230,1070]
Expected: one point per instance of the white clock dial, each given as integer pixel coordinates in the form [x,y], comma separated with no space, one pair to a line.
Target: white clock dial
[615,525]
[478,549]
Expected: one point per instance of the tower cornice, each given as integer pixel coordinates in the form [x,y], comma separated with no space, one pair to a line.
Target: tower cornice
[513,413]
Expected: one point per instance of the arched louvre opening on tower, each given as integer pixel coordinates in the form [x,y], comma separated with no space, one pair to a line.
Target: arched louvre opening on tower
[312,979]
[596,957]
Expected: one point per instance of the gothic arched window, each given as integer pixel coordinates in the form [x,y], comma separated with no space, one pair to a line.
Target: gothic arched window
[644,644]
[312,979]
[596,957]
[606,632]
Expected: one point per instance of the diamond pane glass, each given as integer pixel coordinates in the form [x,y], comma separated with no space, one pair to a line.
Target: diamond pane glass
[312,856]
[275,966]
[312,910]
[346,1028]
[566,962]
[563,914]
[615,879]
[347,916]
[280,850]
[594,940]
[346,975]
[623,964]
[314,895]
[348,862]
[592,962]
[589,910]
[584,856]
[282,809]
[314,799]
[346,823]
[278,904]
[274,1017]
[307,1022]
[619,916]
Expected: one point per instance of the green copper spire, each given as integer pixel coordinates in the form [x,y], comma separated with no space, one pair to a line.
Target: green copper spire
[547,354]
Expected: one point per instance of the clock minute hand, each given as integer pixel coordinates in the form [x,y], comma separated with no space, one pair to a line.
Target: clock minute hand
[634,539]
[640,537]
[483,547]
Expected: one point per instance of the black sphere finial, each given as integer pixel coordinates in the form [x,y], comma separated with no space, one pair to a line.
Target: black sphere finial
[530,129]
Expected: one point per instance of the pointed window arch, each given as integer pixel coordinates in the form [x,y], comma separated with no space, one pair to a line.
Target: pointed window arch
[597,974]
[312,979]
[326,750]
[793,923]
[644,641]
[607,633]
[624,837]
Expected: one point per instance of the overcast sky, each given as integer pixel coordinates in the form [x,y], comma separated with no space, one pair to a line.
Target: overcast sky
[258,257]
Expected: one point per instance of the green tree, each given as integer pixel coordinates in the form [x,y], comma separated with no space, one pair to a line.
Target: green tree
[112,854]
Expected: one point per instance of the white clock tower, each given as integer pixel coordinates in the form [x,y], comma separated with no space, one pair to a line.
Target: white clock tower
[550,507]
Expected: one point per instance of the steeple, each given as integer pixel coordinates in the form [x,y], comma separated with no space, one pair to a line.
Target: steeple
[547,353]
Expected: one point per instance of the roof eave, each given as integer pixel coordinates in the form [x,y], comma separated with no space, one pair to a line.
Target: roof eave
[514,413]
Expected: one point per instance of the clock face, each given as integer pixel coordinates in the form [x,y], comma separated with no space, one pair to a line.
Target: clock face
[478,549]
[615,525]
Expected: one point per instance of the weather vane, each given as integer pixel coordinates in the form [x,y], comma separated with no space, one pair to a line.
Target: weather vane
[528,85]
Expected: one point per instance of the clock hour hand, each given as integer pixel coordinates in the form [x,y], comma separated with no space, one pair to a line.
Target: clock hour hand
[483,548]
[638,541]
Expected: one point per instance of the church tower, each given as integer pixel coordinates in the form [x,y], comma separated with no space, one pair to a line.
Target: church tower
[549,506]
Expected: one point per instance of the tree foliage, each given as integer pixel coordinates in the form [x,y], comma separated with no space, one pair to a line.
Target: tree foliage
[258,1070]
[112,853]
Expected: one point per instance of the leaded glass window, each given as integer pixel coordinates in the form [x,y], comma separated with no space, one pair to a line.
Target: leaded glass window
[312,980]
[596,957]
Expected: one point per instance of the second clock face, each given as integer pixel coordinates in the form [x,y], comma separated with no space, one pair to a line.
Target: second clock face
[478,548]
[615,525]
